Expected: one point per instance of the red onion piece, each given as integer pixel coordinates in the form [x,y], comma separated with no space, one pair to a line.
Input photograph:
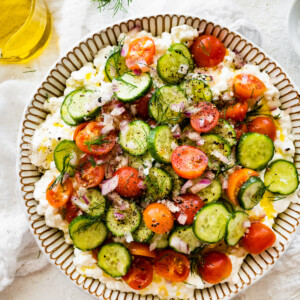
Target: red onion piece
[119,216]
[187,185]
[118,201]
[153,246]
[136,72]
[209,174]
[109,185]
[182,218]
[117,111]
[176,131]
[85,199]
[220,156]
[128,237]
[225,184]
[202,184]
[246,224]
[124,50]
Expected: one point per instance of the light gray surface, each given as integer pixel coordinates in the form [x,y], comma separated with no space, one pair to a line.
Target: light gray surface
[283,282]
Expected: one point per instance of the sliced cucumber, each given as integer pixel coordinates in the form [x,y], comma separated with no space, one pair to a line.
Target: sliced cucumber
[130,87]
[114,259]
[161,104]
[79,107]
[183,235]
[143,234]
[87,233]
[197,90]
[185,51]
[255,150]
[161,143]
[228,205]
[67,154]
[159,183]
[161,240]
[96,203]
[129,223]
[235,228]
[251,192]
[226,131]
[210,223]
[140,162]
[115,66]
[133,138]
[281,177]
[211,193]
[172,67]
[64,112]
[214,142]
[177,181]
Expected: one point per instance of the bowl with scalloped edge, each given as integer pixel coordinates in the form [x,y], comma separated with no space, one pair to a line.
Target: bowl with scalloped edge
[51,241]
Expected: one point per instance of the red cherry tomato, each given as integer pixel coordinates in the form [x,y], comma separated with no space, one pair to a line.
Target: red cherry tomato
[78,129]
[88,176]
[130,183]
[237,112]
[72,211]
[59,194]
[216,267]
[189,206]
[142,106]
[240,129]
[172,266]
[140,274]
[263,125]
[189,162]
[206,118]
[141,249]
[247,86]
[208,51]
[259,238]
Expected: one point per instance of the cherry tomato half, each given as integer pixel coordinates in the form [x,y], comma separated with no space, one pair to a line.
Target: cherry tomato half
[78,129]
[189,162]
[208,51]
[140,274]
[172,266]
[259,238]
[141,249]
[59,194]
[72,211]
[263,125]
[189,206]
[240,129]
[206,118]
[217,266]
[237,112]
[158,218]
[142,106]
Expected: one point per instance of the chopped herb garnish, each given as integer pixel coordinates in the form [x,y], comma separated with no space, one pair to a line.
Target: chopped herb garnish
[117,5]
[100,140]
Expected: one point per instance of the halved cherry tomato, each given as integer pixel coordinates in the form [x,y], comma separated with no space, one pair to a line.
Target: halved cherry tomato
[71,211]
[140,274]
[217,266]
[263,125]
[235,182]
[141,249]
[90,139]
[140,54]
[247,86]
[189,206]
[172,266]
[130,183]
[88,176]
[59,194]
[259,238]
[78,129]
[237,112]
[240,129]
[206,118]
[142,106]
[158,218]
[189,162]
[208,51]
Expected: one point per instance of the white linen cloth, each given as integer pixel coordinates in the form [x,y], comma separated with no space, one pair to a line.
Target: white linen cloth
[19,255]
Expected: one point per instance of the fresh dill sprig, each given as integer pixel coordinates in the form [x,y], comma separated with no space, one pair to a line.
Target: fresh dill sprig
[117,5]
[100,140]
[276,197]
[196,259]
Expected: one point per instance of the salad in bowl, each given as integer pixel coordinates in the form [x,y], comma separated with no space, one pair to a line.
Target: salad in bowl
[165,163]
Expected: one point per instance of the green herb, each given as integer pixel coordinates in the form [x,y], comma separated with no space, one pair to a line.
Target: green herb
[92,161]
[133,86]
[39,254]
[118,5]
[96,141]
[204,48]
[196,259]
[276,197]
[29,71]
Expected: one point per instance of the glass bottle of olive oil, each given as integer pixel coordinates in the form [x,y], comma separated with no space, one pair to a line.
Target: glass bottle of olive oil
[25,27]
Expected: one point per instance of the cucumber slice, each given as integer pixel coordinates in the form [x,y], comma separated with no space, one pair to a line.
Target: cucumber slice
[79,108]
[183,234]
[130,222]
[255,150]
[281,177]
[234,228]
[114,259]
[97,203]
[87,233]
[133,138]
[177,181]
[130,87]
[160,105]
[228,205]
[66,153]
[251,192]
[211,193]
[172,67]
[115,66]
[143,234]
[64,112]
[214,142]
[197,90]
[140,162]
[185,51]
[226,131]
[159,183]
[161,240]
[210,223]
[161,143]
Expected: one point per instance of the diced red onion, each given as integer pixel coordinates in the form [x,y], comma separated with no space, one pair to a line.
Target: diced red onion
[85,199]
[143,65]
[133,109]
[187,185]
[117,111]
[225,184]
[188,114]
[136,72]
[273,108]
[209,174]
[124,50]
[109,185]
[128,237]
[191,110]
[83,206]
[246,224]
[107,128]
[142,185]
[180,245]
[118,201]
[182,218]
[200,142]
[170,205]
[177,107]
[119,216]
[176,131]
[153,246]
[220,156]
[202,184]
[123,124]
[194,136]
[115,86]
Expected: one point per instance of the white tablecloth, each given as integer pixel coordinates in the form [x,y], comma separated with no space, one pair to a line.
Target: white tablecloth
[73,19]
